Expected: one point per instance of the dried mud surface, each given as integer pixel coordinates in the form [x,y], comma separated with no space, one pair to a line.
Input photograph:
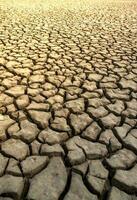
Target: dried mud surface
[68,100]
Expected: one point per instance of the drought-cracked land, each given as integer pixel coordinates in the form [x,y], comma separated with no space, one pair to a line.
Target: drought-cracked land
[68,100]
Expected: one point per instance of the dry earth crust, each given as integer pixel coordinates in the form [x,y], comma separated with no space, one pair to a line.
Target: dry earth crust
[68,100]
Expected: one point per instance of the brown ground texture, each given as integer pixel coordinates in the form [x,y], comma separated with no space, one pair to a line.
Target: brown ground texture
[68,100]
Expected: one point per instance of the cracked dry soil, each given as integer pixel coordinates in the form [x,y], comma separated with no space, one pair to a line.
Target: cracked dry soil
[68,100]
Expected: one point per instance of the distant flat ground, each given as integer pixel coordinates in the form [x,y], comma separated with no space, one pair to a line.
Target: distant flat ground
[68,100]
